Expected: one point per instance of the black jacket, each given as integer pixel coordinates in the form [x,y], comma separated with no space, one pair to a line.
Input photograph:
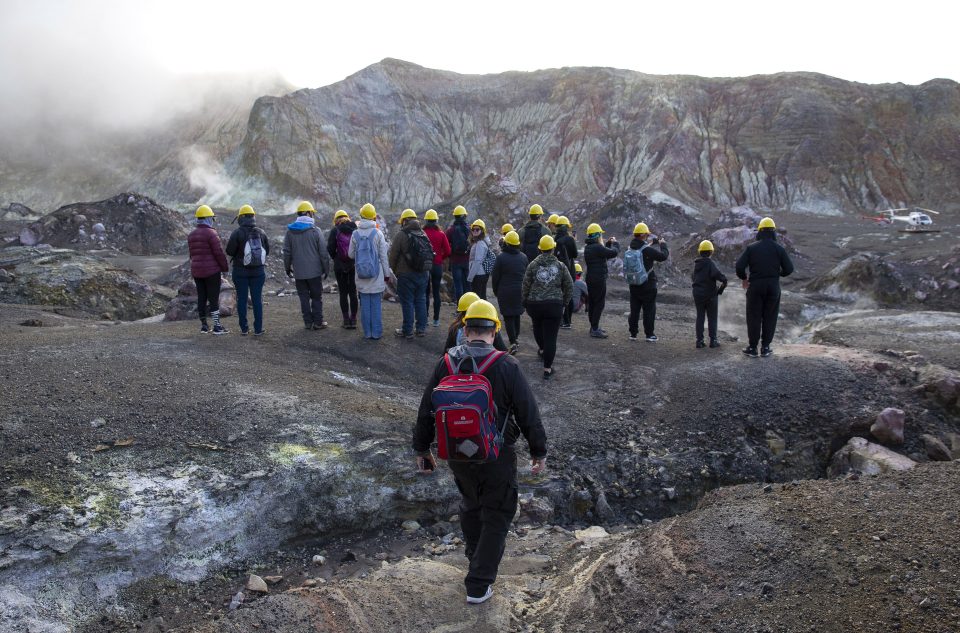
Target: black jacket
[705,276]
[566,250]
[765,258]
[517,411]
[507,278]
[530,234]
[595,256]
[340,266]
[651,254]
[237,242]
[452,341]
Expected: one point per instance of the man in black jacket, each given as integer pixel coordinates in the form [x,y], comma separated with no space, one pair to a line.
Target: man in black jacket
[531,232]
[338,246]
[644,296]
[567,253]
[489,490]
[595,255]
[768,262]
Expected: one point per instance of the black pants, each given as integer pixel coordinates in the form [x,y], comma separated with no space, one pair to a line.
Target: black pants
[512,325]
[568,313]
[597,289]
[643,298]
[208,293]
[489,501]
[546,325]
[310,292]
[763,308]
[707,307]
[479,285]
[433,287]
[347,285]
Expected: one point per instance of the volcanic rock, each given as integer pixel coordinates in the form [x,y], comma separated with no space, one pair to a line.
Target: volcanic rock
[867,458]
[936,449]
[888,428]
[17,212]
[863,275]
[257,584]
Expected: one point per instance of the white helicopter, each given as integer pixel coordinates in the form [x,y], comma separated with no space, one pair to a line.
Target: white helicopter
[916,220]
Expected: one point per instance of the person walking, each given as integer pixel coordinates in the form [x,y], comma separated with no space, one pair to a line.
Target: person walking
[368,250]
[567,253]
[767,261]
[441,251]
[411,257]
[643,291]
[307,261]
[479,247]
[455,331]
[338,247]
[595,255]
[207,263]
[488,489]
[531,232]
[706,294]
[249,248]
[458,235]
[547,288]
[507,278]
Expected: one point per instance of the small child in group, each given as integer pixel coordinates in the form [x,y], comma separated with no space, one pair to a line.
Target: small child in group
[580,295]
[706,294]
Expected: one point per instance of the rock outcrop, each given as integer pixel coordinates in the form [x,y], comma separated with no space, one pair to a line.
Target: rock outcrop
[867,458]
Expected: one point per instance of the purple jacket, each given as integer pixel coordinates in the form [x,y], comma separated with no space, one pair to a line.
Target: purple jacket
[206,253]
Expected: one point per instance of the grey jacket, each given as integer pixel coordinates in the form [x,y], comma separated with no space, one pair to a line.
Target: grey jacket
[304,251]
[478,250]
[374,285]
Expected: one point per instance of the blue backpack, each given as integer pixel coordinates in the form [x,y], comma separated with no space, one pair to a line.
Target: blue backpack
[366,259]
[633,269]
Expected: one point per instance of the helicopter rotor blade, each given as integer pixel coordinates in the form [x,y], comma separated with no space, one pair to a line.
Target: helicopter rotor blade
[929,211]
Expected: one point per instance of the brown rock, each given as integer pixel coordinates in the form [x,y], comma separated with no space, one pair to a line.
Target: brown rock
[868,458]
[936,450]
[257,584]
[888,428]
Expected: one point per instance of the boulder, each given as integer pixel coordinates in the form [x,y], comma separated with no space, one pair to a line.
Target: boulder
[864,275]
[888,428]
[936,450]
[17,212]
[868,458]
[954,439]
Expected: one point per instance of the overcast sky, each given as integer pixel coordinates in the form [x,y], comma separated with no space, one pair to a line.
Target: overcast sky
[83,54]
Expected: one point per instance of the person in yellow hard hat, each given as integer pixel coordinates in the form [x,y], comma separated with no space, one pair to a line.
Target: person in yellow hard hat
[368,250]
[506,228]
[581,296]
[507,278]
[552,223]
[531,232]
[482,258]
[306,259]
[458,234]
[767,262]
[207,264]
[249,248]
[455,331]
[595,255]
[547,289]
[706,294]
[411,258]
[638,270]
[488,489]
[441,251]
[567,253]
[338,247]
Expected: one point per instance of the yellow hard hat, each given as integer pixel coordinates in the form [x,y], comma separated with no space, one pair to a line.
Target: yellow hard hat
[766,223]
[480,224]
[705,245]
[368,212]
[641,229]
[466,299]
[547,243]
[577,267]
[483,314]
[593,229]
[563,221]
[512,238]
[506,228]
[553,218]
[246,210]
[431,215]
[408,214]
[203,211]
[459,210]
[536,210]
[339,214]
[305,206]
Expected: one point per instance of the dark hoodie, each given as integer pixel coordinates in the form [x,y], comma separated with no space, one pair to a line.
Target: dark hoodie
[566,250]
[340,265]
[705,276]
[650,255]
[303,251]
[237,242]
[765,258]
[595,256]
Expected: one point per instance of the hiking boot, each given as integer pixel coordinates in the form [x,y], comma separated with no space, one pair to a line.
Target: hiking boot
[751,352]
[308,326]
[701,344]
[480,599]
[319,326]
[714,343]
[353,324]
[204,328]
[219,329]
[766,351]
[401,334]
[597,334]
[652,338]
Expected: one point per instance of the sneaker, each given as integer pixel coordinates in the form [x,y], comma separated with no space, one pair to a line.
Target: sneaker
[701,344]
[480,600]
[219,329]
[633,337]
[401,334]
[514,348]
[597,334]
[751,352]
[244,332]
[346,325]
[436,323]
[421,333]
[260,333]
[652,338]
[548,374]
[204,329]
[565,326]
[352,324]
[308,326]
[765,351]
[714,343]
[319,326]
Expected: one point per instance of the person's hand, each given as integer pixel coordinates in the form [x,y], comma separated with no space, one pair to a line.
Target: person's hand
[745,284]
[538,465]
[426,465]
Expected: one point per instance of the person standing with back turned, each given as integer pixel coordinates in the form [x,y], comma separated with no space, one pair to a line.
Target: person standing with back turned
[441,251]
[411,258]
[595,256]
[368,250]
[767,262]
[306,260]
[459,237]
[488,489]
[248,246]
[643,295]
[207,262]
[338,247]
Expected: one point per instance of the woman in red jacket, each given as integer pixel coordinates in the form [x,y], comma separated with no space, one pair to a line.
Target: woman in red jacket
[441,251]
[207,262]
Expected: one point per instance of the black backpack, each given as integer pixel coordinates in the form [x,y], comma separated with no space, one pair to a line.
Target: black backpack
[419,252]
[460,241]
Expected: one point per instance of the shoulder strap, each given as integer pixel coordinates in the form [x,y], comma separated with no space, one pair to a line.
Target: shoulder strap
[446,360]
[489,361]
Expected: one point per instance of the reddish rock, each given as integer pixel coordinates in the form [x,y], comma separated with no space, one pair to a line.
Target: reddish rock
[888,428]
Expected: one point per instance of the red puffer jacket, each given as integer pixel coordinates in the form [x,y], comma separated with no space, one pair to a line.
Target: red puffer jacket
[439,242]
[206,253]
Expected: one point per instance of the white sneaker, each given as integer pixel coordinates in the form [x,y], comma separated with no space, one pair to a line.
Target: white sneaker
[483,598]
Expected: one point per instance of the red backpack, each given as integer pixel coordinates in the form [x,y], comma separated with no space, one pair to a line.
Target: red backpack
[466,416]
